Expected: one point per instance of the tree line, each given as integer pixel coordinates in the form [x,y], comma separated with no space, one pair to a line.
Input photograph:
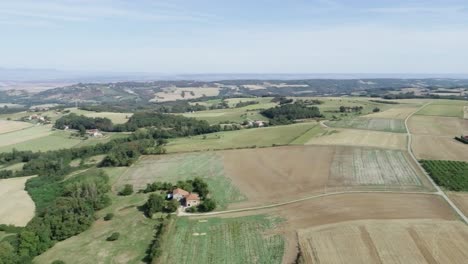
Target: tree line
[288,113]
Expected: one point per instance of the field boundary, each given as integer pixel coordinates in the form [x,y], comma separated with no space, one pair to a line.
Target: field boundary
[438,189]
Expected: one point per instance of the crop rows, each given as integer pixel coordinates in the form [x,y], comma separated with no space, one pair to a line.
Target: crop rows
[238,240]
[379,124]
[452,175]
[373,167]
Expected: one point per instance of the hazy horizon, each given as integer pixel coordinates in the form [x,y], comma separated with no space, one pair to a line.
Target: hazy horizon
[285,37]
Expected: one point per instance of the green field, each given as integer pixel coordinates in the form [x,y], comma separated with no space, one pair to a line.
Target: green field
[260,137]
[14,167]
[378,124]
[116,118]
[314,131]
[136,233]
[452,175]
[172,168]
[451,109]
[222,240]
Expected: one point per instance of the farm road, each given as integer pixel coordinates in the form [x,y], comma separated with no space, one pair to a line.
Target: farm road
[439,190]
[180,213]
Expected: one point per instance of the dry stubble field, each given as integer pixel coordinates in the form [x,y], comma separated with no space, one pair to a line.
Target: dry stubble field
[363,138]
[400,241]
[433,137]
[17,207]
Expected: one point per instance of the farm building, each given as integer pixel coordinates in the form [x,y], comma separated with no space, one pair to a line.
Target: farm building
[94,133]
[187,199]
[192,200]
[179,194]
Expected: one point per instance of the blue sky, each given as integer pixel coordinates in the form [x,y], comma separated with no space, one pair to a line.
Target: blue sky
[256,36]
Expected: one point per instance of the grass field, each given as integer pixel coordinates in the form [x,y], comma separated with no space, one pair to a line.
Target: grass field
[280,135]
[362,138]
[136,233]
[10,126]
[444,108]
[378,124]
[394,113]
[17,208]
[361,166]
[172,168]
[221,240]
[417,241]
[13,167]
[24,135]
[438,126]
[116,118]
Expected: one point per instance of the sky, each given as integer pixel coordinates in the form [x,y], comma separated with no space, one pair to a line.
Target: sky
[241,36]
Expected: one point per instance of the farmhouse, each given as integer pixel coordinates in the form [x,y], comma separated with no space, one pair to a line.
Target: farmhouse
[187,199]
[179,194]
[94,133]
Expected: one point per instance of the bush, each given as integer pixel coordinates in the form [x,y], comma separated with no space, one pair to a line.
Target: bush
[171,206]
[375,110]
[191,210]
[207,205]
[108,216]
[115,236]
[127,190]
[58,262]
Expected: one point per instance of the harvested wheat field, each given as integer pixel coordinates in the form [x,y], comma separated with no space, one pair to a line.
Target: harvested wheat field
[394,113]
[17,207]
[397,241]
[465,112]
[439,148]
[270,175]
[460,199]
[438,126]
[363,138]
[367,166]
[379,124]
[10,126]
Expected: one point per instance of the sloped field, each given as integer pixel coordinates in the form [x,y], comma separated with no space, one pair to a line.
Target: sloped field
[379,124]
[416,241]
[360,166]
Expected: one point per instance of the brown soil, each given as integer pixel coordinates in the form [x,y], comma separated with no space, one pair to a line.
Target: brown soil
[460,199]
[438,126]
[439,148]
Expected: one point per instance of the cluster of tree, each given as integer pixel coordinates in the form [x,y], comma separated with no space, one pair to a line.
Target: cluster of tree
[155,249]
[246,103]
[376,110]
[81,122]
[287,113]
[309,102]
[222,105]
[71,213]
[158,203]
[281,100]
[384,102]
[348,109]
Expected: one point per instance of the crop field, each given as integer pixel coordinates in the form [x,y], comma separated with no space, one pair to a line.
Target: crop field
[116,118]
[136,233]
[439,148]
[452,175]
[237,115]
[465,112]
[363,138]
[361,166]
[221,240]
[17,208]
[379,124]
[24,135]
[260,137]
[394,113]
[172,168]
[460,199]
[417,241]
[10,126]
[450,109]
[438,126]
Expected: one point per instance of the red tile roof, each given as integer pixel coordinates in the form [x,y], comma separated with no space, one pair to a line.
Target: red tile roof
[180,191]
[192,196]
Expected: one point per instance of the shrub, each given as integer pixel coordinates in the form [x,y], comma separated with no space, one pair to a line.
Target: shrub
[115,236]
[127,190]
[207,205]
[108,216]
[58,262]
[375,110]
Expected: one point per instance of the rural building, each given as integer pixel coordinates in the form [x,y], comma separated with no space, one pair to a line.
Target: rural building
[192,200]
[179,194]
[94,133]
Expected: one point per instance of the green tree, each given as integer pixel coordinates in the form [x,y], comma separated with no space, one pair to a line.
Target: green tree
[154,204]
[207,205]
[171,206]
[127,190]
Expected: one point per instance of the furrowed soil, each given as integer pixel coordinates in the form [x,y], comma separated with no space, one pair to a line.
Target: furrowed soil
[378,124]
[17,207]
[363,138]
[400,241]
